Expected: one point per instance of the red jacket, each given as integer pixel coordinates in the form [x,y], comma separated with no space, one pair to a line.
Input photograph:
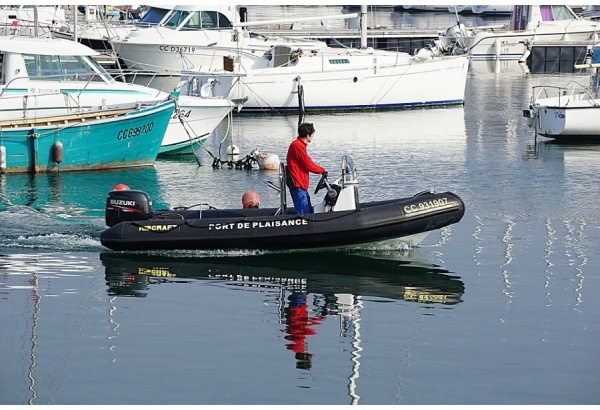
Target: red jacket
[299,164]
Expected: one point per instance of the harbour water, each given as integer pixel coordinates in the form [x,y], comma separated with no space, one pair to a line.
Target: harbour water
[500,308]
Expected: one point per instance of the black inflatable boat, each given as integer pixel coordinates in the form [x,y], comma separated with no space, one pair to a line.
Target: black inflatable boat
[339,220]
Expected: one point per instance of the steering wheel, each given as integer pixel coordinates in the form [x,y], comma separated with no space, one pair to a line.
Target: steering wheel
[322,184]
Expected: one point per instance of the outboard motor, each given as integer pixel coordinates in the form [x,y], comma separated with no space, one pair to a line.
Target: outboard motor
[127,205]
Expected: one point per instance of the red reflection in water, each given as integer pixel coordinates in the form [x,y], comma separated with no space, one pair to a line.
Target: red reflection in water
[298,326]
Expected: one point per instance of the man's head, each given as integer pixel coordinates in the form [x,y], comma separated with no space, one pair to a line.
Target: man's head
[305,129]
[250,199]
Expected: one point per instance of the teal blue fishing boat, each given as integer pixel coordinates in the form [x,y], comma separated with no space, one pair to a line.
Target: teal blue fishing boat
[117,138]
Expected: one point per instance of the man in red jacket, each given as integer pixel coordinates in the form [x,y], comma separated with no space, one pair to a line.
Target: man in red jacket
[299,164]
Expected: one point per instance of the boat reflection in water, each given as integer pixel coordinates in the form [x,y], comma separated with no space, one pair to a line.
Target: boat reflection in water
[335,282]
[58,192]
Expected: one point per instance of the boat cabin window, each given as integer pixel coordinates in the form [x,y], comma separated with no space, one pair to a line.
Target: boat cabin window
[1,68]
[524,16]
[556,13]
[200,20]
[63,68]
[193,23]
[177,17]
[152,17]
[283,56]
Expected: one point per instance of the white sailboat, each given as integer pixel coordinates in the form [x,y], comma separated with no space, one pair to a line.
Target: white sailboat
[289,77]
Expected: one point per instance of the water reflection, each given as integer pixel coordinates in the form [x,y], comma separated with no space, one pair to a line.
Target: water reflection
[411,278]
[64,211]
[300,324]
[311,286]
[66,193]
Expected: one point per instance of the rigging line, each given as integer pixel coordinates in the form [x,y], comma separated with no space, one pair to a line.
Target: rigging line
[258,98]
[183,124]
[191,141]
[399,77]
[333,38]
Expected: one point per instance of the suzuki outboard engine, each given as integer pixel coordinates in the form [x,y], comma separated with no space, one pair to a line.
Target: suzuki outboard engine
[127,205]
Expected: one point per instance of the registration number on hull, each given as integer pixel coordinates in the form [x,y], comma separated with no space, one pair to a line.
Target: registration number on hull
[426,205]
[178,49]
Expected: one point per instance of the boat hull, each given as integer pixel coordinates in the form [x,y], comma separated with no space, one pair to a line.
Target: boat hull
[384,85]
[31,91]
[202,115]
[192,124]
[571,117]
[263,229]
[569,123]
[128,140]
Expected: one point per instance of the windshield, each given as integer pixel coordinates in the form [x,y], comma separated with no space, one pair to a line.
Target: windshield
[152,17]
[64,68]
[176,18]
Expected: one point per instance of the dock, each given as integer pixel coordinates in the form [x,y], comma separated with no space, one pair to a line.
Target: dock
[558,56]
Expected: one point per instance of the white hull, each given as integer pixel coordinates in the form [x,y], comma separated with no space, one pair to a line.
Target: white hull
[578,119]
[201,117]
[367,82]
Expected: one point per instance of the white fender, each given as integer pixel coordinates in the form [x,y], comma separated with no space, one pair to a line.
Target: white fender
[268,161]
[233,151]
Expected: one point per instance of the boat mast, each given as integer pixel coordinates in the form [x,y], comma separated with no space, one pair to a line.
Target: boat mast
[363,26]
[36,22]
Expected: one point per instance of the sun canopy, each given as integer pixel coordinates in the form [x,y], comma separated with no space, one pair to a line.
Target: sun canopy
[44,46]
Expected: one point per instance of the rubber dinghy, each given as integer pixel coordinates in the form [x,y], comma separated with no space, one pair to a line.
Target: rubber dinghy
[339,220]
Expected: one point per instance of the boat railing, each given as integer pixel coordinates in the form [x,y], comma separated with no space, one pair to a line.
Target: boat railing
[67,77]
[572,91]
[68,97]
[144,77]
[71,102]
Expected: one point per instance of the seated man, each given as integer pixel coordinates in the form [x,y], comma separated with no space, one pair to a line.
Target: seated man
[250,199]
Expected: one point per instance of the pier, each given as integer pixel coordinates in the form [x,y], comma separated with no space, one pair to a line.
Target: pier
[558,56]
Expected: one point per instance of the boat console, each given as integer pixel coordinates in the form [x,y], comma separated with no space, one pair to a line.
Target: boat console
[342,195]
